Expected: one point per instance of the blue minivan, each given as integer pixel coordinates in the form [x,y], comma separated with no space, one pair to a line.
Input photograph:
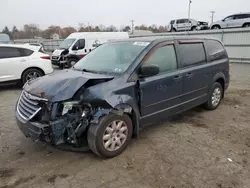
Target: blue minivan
[120,87]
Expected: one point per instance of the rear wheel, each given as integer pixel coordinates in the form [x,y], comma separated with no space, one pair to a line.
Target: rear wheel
[216,27]
[193,28]
[215,97]
[31,74]
[111,136]
[71,62]
[246,25]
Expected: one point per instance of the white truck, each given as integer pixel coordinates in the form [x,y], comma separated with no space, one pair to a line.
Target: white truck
[77,45]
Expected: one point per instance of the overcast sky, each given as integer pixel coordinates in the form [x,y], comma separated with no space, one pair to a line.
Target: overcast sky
[116,12]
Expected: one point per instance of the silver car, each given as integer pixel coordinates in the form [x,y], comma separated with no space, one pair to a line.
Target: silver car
[187,25]
[233,21]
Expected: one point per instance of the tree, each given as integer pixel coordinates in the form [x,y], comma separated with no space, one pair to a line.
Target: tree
[111,28]
[31,30]
[97,29]
[51,30]
[66,31]
[126,29]
[15,33]
[7,31]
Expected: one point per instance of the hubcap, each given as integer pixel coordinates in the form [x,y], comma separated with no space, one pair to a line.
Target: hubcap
[216,97]
[115,135]
[32,76]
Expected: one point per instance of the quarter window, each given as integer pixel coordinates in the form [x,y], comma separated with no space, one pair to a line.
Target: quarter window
[25,52]
[215,49]
[192,53]
[163,57]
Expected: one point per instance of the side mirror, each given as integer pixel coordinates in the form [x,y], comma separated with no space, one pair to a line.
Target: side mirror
[149,70]
[223,20]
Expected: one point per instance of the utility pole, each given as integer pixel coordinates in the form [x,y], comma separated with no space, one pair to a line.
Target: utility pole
[189,8]
[212,12]
[132,21]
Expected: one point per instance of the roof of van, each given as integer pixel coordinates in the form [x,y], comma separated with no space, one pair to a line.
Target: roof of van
[94,34]
[166,38]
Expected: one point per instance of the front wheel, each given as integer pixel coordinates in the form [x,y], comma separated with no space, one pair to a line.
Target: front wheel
[71,62]
[215,97]
[111,136]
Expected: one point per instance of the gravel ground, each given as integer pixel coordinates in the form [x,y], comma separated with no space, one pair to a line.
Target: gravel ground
[198,149]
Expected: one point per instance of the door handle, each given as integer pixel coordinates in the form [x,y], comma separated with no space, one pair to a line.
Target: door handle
[177,78]
[189,74]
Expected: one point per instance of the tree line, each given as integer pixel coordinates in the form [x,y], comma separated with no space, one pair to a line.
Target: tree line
[31,31]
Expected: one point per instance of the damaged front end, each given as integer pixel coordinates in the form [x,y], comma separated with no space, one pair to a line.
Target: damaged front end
[63,120]
[54,123]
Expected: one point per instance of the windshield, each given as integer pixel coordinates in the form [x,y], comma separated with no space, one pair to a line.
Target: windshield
[111,58]
[66,43]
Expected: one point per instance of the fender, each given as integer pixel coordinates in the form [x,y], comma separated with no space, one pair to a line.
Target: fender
[219,75]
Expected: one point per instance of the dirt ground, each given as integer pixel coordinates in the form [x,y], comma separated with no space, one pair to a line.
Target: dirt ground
[198,149]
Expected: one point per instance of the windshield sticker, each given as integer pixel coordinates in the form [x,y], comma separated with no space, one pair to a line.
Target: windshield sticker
[117,70]
[141,43]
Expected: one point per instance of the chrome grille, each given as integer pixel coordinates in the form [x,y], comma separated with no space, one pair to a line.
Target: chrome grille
[27,107]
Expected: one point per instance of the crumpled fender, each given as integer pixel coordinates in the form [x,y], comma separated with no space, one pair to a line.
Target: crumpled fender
[118,104]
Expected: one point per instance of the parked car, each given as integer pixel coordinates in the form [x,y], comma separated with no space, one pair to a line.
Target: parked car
[233,21]
[187,25]
[121,87]
[22,63]
[79,44]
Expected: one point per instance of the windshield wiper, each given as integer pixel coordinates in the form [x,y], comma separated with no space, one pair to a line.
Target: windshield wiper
[91,71]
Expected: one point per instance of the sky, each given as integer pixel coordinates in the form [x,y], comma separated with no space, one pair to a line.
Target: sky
[116,12]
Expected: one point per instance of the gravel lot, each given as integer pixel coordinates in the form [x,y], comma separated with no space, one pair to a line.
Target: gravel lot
[198,149]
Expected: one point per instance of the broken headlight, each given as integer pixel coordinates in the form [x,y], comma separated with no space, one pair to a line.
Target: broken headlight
[67,106]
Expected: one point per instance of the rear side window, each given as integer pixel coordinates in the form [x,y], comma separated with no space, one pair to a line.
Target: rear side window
[215,50]
[242,16]
[164,57]
[180,21]
[9,52]
[25,52]
[192,53]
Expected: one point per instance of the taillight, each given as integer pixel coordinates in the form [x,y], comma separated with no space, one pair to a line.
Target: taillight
[45,57]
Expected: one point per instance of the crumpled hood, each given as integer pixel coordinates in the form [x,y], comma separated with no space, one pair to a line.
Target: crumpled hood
[61,85]
[57,52]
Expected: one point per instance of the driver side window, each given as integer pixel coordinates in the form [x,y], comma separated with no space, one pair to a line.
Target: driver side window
[229,18]
[80,44]
[164,57]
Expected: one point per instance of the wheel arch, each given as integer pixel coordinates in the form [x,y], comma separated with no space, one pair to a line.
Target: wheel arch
[220,78]
[245,24]
[33,67]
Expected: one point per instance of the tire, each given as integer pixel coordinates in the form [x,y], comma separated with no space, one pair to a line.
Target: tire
[216,27]
[71,62]
[97,133]
[215,97]
[246,25]
[27,75]
[193,28]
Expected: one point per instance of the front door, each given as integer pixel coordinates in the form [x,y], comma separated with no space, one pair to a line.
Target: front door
[160,94]
[196,73]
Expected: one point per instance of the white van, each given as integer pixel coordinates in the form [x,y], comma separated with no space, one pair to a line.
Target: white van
[80,43]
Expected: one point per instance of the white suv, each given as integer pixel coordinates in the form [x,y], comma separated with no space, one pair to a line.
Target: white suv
[233,21]
[187,25]
[22,62]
